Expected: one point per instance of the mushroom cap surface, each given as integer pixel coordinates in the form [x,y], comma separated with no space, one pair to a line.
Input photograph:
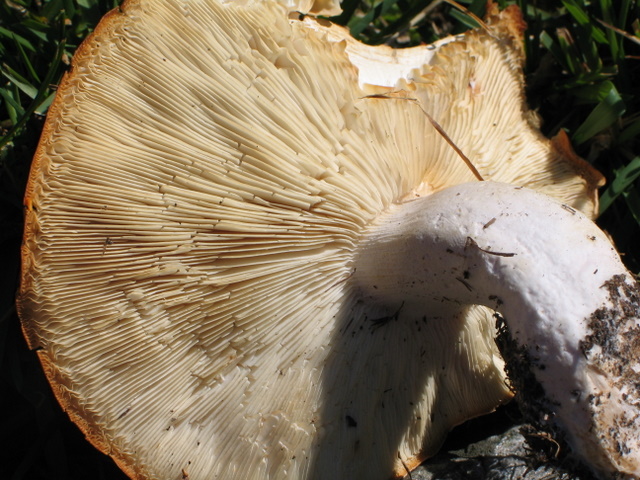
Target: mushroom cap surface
[202,183]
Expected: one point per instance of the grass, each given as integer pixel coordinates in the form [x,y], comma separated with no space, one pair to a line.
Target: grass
[583,72]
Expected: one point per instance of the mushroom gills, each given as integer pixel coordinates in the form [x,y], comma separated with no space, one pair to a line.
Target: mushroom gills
[192,217]
[570,305]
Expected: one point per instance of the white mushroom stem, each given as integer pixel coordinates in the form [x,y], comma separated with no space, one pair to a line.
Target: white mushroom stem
[570,305]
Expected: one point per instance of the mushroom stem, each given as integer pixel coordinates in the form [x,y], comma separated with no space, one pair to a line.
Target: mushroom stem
[570,305]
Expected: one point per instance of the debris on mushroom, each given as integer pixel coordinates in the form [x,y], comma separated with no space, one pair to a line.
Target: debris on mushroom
[571,308]
[199,278]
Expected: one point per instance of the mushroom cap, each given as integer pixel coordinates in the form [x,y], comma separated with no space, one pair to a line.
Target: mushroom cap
[202,183]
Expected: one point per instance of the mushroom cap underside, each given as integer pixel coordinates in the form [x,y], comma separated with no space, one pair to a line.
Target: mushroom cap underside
[204,177]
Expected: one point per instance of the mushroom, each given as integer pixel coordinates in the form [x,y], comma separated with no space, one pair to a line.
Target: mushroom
[248,254]
[571,309]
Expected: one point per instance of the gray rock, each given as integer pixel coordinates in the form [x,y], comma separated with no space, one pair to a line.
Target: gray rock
[502,456]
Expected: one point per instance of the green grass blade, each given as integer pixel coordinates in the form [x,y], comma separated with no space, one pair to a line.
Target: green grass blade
[568,51]
[358,24]
[607,112]
[349,8]
[550,44]
[44,105]
[17,38]
[582,18]
[27,63]
[19,81]
[464,19]
[632,199]
[622,180]
[630,132]
[38,29]
[608,15]
[593,92]
[40,97]
[14,109]
[69,8]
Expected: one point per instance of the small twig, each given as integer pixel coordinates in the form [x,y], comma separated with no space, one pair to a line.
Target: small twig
[405,467]
[619,31]
[444,135]
[472,243]
[438,129]
[468,12]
